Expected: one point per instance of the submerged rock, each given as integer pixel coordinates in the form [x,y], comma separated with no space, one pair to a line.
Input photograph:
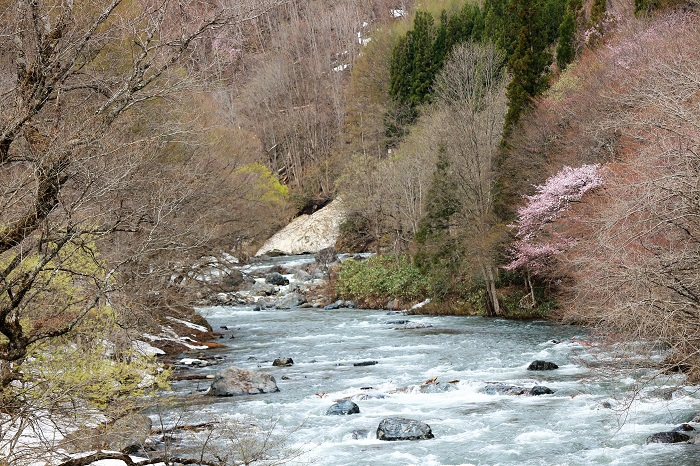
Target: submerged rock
[497,388]
[438,387]
[413,325]
[663,393]
[668,437]
[360,434]
[368,396]
[400,428]
[542,366]
[234,381]
[343,408]
[365,363]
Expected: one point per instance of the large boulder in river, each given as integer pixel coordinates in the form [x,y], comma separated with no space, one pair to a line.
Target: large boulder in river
[233,381]
[263,289]
[283,362]
[542,366]
[668,437]
[308,233]
[290,300]
[401,428]
[343,408]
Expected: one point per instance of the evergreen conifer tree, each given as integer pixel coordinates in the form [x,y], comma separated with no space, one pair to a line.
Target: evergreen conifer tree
[441,44]
[500,25]
[567,34]
[400,70]
[529,60]
[438,254]
[413,62]
[420,41]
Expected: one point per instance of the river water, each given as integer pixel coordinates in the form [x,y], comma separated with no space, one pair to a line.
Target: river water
[580,424]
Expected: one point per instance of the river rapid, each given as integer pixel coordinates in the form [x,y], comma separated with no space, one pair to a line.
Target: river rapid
[582,423]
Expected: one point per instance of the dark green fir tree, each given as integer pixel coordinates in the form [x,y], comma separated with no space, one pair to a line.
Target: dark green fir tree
[566,48]
[529,60]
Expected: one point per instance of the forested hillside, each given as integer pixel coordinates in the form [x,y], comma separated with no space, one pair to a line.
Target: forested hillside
[517,158]
[540,157]
[138,138]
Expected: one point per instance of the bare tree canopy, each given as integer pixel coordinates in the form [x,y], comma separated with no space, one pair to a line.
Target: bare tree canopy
[79,79]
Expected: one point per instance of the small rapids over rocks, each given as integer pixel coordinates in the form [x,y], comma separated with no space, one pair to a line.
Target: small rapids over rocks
[491,391]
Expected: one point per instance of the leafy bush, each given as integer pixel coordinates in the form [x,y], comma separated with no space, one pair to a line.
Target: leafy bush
[379,278]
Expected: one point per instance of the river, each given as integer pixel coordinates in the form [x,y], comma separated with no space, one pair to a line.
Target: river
[582,423]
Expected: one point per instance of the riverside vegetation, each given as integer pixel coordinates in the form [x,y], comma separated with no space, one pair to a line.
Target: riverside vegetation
[508,158]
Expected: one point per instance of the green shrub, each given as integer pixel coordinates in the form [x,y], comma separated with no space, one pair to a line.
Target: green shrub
[379,278]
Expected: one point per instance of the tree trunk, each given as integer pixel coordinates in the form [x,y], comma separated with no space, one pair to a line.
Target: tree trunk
[493,307]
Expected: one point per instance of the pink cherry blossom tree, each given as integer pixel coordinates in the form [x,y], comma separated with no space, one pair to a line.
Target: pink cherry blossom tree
[536,245]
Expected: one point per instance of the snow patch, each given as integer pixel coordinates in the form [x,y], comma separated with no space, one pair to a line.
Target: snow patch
[199,328]
[146,349]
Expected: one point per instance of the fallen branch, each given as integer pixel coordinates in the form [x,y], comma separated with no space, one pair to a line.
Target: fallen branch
[129,461]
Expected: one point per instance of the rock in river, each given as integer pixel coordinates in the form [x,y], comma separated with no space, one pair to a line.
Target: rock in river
[283,362]
[365,363]
[438,387]
[276,278]
[667,437]
[400,428]
[497,388]
[290,300]
[343,408]
[233,381]
[542,366]
[538,390]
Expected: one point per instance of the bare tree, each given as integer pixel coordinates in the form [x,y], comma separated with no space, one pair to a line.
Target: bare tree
[635,269]
[470,94]
[90,186]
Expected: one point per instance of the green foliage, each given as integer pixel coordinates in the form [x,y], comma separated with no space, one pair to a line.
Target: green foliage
[553,12]
[88,367]
[524,29]
[379,278]
[267,187]
[567,83]
[419,55]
